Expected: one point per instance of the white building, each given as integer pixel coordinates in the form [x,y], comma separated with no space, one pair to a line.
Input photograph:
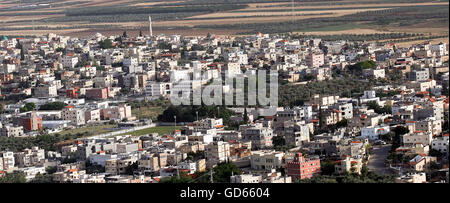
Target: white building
[373,133]
[374,73]
[246,178]
[31,172]
[45,91]
[158,89]
[412,178]
[11,131]
[7,160]
[266,160]
[191,166]
[217,152]
[69,61]
[417,137]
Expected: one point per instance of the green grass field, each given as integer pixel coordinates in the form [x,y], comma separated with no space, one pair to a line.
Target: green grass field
[100,129]
[161,130]
[149,112]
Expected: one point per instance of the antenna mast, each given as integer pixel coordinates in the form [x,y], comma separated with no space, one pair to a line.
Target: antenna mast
[150,26]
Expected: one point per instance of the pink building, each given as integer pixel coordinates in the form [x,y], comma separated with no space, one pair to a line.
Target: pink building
[316,60]
[302,168]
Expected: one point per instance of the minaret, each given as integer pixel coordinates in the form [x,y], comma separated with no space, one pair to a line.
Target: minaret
[150,26]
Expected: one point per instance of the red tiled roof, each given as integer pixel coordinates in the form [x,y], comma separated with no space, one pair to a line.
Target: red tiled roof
[73,170]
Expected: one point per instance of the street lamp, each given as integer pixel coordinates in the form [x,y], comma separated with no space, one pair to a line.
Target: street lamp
[175,117]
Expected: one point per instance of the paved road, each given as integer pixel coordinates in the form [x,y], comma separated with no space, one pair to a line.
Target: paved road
[378,158]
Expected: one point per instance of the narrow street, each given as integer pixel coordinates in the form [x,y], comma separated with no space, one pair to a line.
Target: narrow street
[378,158]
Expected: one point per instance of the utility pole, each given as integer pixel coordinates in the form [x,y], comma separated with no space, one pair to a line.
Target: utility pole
[178,167]
[150,26]
[211,179]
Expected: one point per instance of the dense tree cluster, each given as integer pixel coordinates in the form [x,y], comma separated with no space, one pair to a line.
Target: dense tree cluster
[188,113]
[53,106]
[47,142]
[28,107]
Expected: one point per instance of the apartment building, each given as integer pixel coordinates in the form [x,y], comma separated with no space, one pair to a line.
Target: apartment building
[217,152]
[265,160]
[75,115]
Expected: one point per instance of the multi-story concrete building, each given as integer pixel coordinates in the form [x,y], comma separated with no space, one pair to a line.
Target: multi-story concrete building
[217,152]
[30,157]
[7,160]
[149,163]
[374,73]
[69,61]
[261,137]
[116,112]
[92,115]
[429,125]
[11,131]
[266,160]
[30,122]
[246,178]
[119,166]
[75,115]
[417,137]
[296,133]
[348,165]
[45,91]
[98,93]
[316,59]
[441,144]
[419,75]
[373,133]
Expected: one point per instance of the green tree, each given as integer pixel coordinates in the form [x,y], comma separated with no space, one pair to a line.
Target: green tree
[105,44]
[327,167]
[42,178]
[13,178]
[53,106]
[129,170]
[28,107]
[223,172]
[184,178]
[278,141]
